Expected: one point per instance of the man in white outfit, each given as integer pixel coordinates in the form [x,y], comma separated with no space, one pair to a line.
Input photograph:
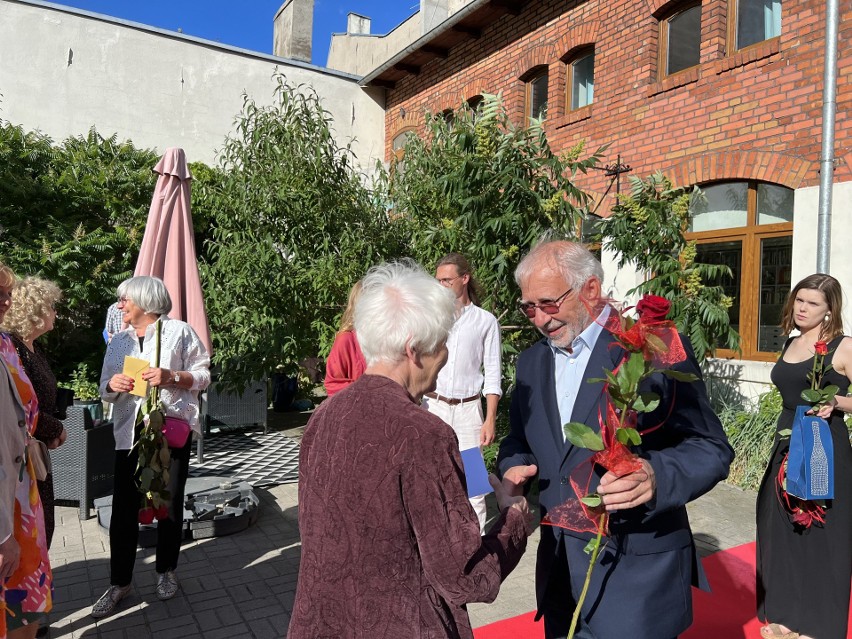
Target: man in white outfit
[472,368]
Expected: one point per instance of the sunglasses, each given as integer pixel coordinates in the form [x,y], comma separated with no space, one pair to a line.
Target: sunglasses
[549,308]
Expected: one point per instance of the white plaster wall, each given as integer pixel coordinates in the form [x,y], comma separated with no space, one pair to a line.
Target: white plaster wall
[805,221]
[360,54]
[156,89]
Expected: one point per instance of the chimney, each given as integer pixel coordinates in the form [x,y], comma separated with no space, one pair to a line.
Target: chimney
[292,30]
[357,24]
[432,13]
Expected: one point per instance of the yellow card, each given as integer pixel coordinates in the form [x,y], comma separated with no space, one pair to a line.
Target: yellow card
[134,367]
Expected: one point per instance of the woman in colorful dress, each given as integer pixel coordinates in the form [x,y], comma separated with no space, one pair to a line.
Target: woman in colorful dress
[25,578]
[31,315]
[804,555]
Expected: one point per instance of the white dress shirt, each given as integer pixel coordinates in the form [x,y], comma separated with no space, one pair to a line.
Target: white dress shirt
[180,350]
[474,346]
[569,368]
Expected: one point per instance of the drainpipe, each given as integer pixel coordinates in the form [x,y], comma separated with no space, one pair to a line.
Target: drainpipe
[829,110]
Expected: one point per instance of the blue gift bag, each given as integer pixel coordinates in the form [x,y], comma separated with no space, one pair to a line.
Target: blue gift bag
[810,464]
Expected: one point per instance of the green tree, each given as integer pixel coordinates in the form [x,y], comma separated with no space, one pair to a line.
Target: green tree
[646,231]
[74,213]
[293,227]
[482,187]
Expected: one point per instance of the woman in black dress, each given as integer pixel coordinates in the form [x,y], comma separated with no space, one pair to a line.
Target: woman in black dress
[804,549]
[30,316]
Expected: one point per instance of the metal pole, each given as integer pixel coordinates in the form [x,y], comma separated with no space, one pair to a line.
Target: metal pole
[829,109]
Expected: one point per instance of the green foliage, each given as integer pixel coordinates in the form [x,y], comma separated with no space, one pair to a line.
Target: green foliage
[83,384]
[482,187]
[293,227]
[74,213]
[646,231]
[751,432]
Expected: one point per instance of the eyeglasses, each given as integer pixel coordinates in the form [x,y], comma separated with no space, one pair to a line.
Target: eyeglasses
[550,308]
[446,281]
[122,300]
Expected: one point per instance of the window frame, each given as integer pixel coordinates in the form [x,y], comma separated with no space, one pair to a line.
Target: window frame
[569,77]
[751,235]
[663,38]
[530,79]
[733,26]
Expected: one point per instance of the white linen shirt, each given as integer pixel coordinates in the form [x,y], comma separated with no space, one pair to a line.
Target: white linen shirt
[180,350]
[474,346]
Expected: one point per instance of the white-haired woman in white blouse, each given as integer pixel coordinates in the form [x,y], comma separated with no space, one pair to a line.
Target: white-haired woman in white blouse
[182,372]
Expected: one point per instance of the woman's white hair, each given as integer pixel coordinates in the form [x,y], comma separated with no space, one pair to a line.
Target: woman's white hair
[148,293]
[570,259]
[402,305]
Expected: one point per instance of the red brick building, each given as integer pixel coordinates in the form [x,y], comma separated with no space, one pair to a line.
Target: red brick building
[725,94]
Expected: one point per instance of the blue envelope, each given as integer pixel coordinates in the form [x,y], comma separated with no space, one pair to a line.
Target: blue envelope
[475,473]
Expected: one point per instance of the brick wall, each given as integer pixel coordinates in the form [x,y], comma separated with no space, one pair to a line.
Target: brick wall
[754,114]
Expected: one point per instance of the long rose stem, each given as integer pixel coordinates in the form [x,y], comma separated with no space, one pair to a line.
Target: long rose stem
[584,592]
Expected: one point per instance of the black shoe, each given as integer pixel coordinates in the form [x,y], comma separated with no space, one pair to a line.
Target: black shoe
[43,632]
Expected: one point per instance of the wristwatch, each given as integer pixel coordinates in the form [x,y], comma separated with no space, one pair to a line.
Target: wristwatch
[176,378]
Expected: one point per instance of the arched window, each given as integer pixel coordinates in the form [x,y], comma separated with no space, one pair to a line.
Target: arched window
[748,226]
[536,94]
[680,40]
[581,79]
[398,146]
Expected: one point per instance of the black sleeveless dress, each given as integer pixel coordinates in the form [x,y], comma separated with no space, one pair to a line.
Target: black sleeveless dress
[804,574]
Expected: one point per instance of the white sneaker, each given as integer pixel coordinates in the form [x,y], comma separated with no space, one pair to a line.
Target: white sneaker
[106,605]
[167,585]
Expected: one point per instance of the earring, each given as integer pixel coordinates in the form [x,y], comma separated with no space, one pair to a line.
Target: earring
[827,317]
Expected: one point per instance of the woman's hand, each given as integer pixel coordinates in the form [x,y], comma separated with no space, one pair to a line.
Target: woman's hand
[157,376]
[826,410]
[120,383]
[58,441]
[506,500]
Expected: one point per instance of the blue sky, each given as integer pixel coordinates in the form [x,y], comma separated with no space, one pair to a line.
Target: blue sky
[248,24]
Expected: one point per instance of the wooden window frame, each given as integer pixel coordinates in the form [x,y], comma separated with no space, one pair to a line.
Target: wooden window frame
[663,39]
[536,74]
[733,23]
[569,75]
[751,235]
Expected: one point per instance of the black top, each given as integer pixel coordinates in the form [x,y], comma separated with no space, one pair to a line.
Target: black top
[44,385]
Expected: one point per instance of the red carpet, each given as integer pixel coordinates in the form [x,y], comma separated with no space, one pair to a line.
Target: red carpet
[726,613]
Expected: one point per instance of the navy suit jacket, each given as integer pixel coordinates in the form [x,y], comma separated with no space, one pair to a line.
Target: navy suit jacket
[642,583]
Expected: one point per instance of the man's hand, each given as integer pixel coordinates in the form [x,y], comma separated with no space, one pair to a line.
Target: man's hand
[629,491]
[507,500]
[10,556]
[515,478]
[486,435]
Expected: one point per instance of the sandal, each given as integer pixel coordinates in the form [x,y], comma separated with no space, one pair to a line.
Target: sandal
[774,631]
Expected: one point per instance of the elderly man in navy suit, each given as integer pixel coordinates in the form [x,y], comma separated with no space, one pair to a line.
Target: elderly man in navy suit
[640,588]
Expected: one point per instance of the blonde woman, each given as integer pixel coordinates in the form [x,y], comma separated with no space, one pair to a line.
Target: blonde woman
[31,315]
[26,582]
[345,361]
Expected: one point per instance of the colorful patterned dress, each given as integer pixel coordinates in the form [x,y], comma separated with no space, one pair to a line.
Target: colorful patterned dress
[27,594]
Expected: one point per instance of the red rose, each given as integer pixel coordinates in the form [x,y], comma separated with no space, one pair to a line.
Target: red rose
[821,348]
[146,516]
[653,308]
[162,512]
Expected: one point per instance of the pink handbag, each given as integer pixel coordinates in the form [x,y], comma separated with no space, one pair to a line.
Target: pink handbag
[176,431]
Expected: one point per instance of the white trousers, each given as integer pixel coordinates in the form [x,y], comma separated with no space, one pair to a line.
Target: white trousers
[466,420]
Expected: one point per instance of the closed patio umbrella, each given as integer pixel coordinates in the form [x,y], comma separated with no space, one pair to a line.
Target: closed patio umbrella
[168,246]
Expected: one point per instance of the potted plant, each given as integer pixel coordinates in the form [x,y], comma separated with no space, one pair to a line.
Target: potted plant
[86,392]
